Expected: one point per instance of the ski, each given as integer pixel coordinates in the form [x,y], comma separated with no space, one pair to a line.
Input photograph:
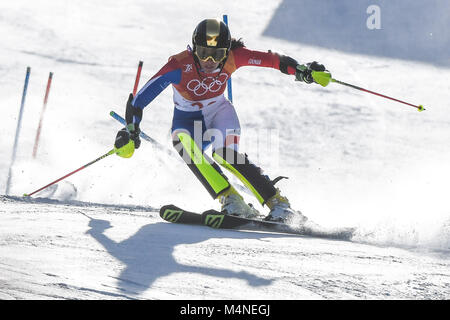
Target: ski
[219,220]
[174,214]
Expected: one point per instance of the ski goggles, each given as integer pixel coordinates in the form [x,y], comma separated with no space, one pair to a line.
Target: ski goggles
[216,54]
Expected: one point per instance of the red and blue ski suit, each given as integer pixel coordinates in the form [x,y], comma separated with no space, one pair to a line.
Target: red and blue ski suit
[201,107]
[198,97]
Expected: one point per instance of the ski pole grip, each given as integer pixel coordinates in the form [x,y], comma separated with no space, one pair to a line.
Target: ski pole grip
[321,77]
[129,112]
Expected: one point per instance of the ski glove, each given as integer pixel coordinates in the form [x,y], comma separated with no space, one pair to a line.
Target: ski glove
[127,141]
[134,131]
[303,72]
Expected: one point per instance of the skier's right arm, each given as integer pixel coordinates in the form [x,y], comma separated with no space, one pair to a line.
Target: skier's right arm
[170,73]
[127,139]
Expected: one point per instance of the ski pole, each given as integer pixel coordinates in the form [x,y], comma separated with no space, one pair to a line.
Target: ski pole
[38,133]
[142,134]
[19,121]
[324,78]
[420,107]
[146,137]
[113,151]
[229,88]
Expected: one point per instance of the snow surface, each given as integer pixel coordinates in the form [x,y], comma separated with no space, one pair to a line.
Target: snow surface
[353,159]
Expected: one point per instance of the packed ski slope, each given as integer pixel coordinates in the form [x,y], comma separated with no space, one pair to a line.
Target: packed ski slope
[352,159]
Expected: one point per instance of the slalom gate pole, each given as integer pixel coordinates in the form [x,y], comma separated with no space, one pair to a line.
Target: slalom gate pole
[19,122]
[138,77]
[38,133]
[112,151]
[145,136]
[142,134]
[419,107]
[229,87]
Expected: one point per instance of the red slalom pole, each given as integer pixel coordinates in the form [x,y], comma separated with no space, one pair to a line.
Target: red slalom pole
[113,151]
[419,107]
[38,133]
[138,76]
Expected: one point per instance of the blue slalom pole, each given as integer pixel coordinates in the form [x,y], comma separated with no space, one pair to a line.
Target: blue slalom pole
[19,122]
[144,136]
[230,92]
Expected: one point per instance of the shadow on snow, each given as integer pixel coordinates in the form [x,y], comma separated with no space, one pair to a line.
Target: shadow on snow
[148,254]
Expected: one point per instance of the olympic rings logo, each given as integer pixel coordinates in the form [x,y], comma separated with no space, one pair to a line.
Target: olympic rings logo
[209,84]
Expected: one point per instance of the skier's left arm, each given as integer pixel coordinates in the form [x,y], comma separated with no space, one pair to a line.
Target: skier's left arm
[302,72]
[286,64]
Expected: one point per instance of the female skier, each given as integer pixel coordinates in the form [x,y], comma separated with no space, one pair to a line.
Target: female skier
[198,76]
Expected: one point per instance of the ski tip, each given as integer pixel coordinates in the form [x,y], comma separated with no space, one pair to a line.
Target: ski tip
[167,207]
[170,213]
[26,195]
[420,108]
[111,113]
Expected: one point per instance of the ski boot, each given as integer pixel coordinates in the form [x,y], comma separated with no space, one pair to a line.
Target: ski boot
[233,204]
[281,211]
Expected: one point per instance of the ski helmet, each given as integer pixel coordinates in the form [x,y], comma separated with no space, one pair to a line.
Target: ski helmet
[211,39]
